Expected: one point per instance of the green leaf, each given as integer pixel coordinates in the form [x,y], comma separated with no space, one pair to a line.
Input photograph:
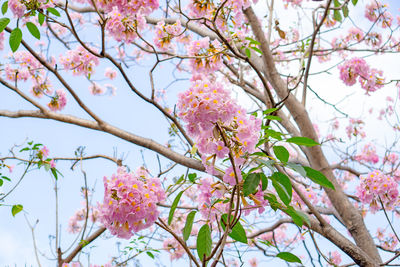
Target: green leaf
[289,257]
[6,178]
[273,118]
[3,23]
[264,181]
[298,168]
[345,11]
[302,141]
[257,50]
[318,177]
[283,186]
[188,225]
[337,16]
[270,110]
[237,232]
[173,207]
[53,11]
[273,202]
[274,134]
[252,41]
[281,153]
[354,2]
[16,209]
[192,177]
[150,254]
[204,242]
[248,53]
[40,18]
[251,183]
[15,39]
[1,182]
[297,219]
[33,30]
[4,7]
[336,3]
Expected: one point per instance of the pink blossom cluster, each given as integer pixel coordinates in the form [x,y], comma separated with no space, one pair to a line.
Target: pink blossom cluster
[124,26]
[391,158]
[206,55]
[176,251]
[79,61]
[58,101]
[335,258]
[27,67]
[370,79]
[375,12]
[77,264]
[207,104]
[130,202]
[368,154]
[75,221]
[378,185]
[165,33]
[110,73]
[389,241]
[18,8]
[208,193]
[130,7]
[355,128]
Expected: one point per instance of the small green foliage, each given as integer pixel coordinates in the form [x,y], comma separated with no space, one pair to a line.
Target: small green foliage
[3,23]
[15,39]
[188,225]
[54,11]
[251,183]
[16,209]
[289,257]
[4,7]
[173,207]
[33,30]
[204,242]
[237,232]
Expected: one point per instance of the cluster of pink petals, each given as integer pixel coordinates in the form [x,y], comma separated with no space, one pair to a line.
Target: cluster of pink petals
[130,202]
[110,73]
[208,193]
[124,26]
[207,104]
[79,61]
[335,258]
[392,158]
[58,101]
[375,11]
[129,7]
[355,128]
[378,185]
[389,241]
[77,264]
[165,33]
[176,251]
[75,221]
[368,154]
[370,79]
[19,9]
[207,55]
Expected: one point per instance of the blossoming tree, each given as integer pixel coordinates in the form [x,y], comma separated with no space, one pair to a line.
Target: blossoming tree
[266,172]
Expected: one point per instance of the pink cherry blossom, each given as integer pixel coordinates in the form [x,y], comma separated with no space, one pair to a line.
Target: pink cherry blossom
[58,101]
[130,202]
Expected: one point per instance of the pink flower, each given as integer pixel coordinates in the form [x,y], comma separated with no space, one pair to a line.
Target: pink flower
[378,185]
[79,61]
[110,73]
[130,203]
[58,101]
[368,154]
[335,258]
[253,262]
[44,152]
